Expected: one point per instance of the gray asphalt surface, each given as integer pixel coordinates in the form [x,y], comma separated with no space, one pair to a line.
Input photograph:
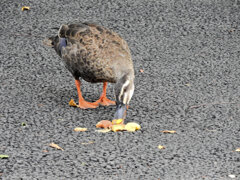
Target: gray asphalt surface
[189,52]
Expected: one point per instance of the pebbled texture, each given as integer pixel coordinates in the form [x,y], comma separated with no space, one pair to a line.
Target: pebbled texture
[189,51]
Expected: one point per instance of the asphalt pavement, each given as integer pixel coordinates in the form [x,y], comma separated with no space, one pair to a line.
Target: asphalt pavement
[189,53]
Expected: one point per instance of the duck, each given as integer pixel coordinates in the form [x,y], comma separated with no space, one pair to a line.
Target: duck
[97,55]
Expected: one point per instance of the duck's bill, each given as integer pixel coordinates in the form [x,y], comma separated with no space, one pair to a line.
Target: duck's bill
[121,111]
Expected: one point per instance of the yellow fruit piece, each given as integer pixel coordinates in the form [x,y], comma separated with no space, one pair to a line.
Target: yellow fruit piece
[161,147]
[238,150]
[117,121]
[132,126]
[103,130]
[25,8]
[79,129]
[167,131]
[53,145]
[118,127]
[130,129]
[72,103]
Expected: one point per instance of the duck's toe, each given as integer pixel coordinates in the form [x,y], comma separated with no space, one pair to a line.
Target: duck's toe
[104,101]
[86,105]
[107,102]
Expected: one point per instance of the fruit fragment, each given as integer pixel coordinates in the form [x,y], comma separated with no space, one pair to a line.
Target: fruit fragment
[117,121]
[72,103]
[53,145]
[3,156]
[104,124]
[80,129]
[167,131]
[24,8]
[89,142]
[118,127]
[161,147]
[103,130]
[132,126]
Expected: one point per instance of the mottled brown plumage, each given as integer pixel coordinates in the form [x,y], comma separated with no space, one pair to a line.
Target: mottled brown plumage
[96,54]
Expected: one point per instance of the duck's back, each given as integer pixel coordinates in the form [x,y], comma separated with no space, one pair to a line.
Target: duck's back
[93,52]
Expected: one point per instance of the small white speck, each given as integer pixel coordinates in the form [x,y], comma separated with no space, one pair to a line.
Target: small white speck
[232,176]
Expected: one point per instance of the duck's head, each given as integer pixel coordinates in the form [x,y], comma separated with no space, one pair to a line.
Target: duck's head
[123,90]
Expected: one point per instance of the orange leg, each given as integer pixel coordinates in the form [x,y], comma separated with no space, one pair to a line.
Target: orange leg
[82,103]
[103,100]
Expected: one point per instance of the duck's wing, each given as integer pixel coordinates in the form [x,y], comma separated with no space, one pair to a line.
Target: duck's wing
[105,43]
[94,51]
[73,31]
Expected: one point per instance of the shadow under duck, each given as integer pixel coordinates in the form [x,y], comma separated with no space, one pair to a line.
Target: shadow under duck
[96,54]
